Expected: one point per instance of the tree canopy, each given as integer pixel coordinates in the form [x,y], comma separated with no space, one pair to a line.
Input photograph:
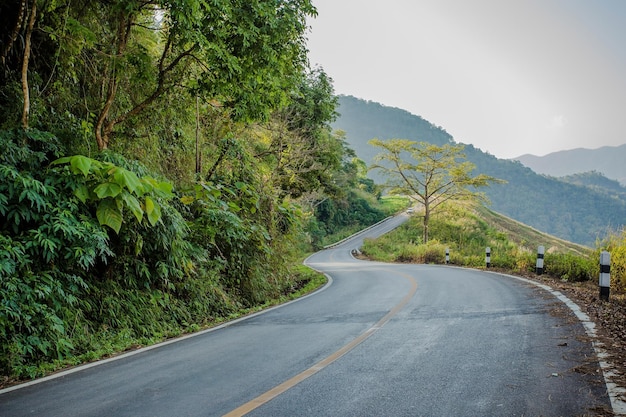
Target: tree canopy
[118,59]
[427,173]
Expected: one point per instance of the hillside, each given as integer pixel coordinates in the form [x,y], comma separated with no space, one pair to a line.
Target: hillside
[526,236]
[569,211]
[608,160]
[598,182]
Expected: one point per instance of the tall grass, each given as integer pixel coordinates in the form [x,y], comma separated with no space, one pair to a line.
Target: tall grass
[467,231]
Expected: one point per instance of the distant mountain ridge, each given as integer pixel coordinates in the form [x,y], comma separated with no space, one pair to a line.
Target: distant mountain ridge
[608,160]
[579,210]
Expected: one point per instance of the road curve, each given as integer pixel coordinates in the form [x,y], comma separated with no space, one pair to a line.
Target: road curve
[395,340]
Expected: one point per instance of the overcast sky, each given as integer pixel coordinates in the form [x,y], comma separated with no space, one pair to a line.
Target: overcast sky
[508,76]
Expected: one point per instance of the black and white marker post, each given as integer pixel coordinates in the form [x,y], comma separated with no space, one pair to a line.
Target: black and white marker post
[605,275]
[447,256]
[488,256]
[540,252]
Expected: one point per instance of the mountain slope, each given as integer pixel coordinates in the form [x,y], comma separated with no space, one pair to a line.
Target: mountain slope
[570,211]
[608,160]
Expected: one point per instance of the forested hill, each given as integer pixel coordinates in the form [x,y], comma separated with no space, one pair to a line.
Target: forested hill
[609,160]
[363,120]
[570,211]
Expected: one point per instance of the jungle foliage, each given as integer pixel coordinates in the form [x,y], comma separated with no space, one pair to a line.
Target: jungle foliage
[163,165]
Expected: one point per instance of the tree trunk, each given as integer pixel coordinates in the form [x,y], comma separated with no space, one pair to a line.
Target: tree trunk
[426,220]
[25,88]
[102,128]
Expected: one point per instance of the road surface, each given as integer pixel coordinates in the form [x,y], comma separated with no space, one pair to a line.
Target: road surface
[379,340]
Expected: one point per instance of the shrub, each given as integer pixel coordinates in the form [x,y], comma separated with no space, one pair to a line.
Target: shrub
[570,267]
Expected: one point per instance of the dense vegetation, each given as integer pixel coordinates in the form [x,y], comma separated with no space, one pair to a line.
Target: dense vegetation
[468,230]
[163,165]
[568,209]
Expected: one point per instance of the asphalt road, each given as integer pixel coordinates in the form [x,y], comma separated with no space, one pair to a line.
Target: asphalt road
[380,340]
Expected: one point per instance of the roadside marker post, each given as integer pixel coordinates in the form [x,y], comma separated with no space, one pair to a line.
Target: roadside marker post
[447,256]
[488,256]
[605,275]
[539,267]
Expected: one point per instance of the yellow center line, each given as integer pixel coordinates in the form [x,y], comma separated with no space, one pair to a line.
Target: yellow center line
[290,383]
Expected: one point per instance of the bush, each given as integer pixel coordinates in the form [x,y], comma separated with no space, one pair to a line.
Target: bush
[570,267]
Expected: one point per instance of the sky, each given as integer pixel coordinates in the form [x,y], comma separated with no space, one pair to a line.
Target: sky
[510,77]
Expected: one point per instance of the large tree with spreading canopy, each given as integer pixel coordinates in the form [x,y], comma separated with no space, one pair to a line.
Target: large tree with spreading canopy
[429,174]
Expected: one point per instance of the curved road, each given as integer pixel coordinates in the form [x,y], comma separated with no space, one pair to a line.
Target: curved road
[380,340]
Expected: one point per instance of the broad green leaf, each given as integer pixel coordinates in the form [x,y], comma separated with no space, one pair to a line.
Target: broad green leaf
[109,214]
[165,188]
[149,205]
[154,213]
[128,179]
[82,192]
[107,189]
[80,163]
[60,161]
[133,204]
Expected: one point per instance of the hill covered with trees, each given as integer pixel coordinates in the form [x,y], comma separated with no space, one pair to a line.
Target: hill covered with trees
[608,160]
[568,209]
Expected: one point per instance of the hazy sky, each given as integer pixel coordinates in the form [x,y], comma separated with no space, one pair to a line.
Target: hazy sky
[508,76]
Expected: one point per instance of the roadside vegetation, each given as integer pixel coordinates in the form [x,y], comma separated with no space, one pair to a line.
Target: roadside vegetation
[164,166]
[467,230]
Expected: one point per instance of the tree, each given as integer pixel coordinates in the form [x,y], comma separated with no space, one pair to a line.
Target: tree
[299,142]
[119,59]
[428,174]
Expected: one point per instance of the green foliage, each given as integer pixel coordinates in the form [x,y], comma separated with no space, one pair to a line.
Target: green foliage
[392,204]
[467,232]
[65,283]
[429,174]
[124,58]
[114,189]
[48,242]
[432,252]
[333,217]
[571,267]
[98,251]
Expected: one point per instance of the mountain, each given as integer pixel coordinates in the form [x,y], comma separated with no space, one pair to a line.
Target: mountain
[569,210]
[609,160]
[363,120]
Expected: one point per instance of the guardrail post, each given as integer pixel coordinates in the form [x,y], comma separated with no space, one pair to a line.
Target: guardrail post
[488,256]
[539,267]
[447,256]
[605,275]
